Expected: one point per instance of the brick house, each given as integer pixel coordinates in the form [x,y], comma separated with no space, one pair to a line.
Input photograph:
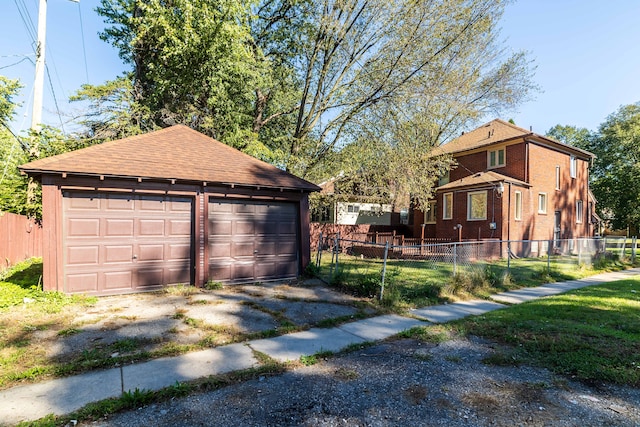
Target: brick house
[510,184]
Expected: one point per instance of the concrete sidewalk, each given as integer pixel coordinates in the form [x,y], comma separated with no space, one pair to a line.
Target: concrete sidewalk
[65,395]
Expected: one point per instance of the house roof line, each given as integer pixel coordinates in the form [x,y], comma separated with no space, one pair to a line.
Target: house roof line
[174,153]
[482,178]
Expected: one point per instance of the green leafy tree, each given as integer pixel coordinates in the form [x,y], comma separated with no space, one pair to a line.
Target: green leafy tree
[616,170]
[571,135]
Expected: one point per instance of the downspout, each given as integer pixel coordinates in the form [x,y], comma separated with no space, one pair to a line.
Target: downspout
[509,215]
[526,163]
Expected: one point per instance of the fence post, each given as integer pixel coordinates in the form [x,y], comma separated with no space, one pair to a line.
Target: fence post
[579,251]
[549,249]
[455,259]
[319,251]
[624,247]
[508,256]
[384,268]
[337,249]
[634,246]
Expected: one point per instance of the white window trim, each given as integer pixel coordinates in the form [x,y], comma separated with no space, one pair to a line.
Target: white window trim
[579,211]
[557,177]
[573,165]
[543,209]
[432,212]
[469,195]
[444,206]
[517,215]
[498,164]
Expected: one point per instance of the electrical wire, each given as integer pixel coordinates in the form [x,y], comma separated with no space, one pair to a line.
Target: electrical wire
[84,50]
[25,16]
[16,63]
[55,99]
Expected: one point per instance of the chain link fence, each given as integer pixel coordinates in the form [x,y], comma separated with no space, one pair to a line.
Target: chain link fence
[367,266]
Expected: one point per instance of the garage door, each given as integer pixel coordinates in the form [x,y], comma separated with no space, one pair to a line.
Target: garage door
[252,241]
[115,243]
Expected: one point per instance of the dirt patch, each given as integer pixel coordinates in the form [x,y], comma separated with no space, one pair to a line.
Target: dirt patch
[394,384]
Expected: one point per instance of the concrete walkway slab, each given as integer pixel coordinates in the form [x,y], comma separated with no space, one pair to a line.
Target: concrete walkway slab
[160,373]
[381,327]
[59,397]
[458,310]
[290,347]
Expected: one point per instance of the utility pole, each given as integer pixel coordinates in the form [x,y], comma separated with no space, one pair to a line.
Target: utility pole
[38,88]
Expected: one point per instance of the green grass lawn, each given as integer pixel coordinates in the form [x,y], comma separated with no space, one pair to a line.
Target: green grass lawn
[421,282]
[592,334]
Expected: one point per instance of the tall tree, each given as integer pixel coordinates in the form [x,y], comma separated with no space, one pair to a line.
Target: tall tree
[616,169]
[571,135]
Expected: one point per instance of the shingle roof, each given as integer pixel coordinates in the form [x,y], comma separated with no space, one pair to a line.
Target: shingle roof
[482,178]
[177,152]
[498,131]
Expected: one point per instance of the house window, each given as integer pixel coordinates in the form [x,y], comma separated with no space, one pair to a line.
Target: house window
[477,205]
[444,179]
[518,207]
[320,214]
[557,177]
[542,203]
[579,213]
[430,214]
[496,158]
[447,206]
[574,166]
[353,208]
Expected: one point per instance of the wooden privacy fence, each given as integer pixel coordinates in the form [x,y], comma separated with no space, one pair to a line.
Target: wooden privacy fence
[20,239]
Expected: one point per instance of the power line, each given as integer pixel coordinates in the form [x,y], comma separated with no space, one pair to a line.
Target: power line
[25,16]
[84,50]
[16,63]
[55,99]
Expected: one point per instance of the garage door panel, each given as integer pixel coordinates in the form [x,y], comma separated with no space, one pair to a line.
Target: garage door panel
[86,282]
[221,228]
[151,227]
[118,280]
[83,255]
[287,248]
[89,227]
[85,203]
[251,249]
[242,249]
[119,203]
[150,253]
[153,204]
[178,252]
[221,272]
[146,277]
[244,228]
[179,228]
[220,250]
[118,227]
[139,241]
[118,253]
[244,208]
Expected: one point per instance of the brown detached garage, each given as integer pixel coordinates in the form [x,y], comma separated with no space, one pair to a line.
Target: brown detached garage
[168,207]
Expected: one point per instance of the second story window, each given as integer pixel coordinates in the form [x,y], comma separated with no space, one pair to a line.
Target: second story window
[353,208]
[496,158]
[518,207]
[557,177]
[444,179]
[574,166]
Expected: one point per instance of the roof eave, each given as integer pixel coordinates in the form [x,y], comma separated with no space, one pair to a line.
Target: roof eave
[310,188]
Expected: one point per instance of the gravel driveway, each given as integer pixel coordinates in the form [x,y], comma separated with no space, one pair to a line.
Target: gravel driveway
[400,382]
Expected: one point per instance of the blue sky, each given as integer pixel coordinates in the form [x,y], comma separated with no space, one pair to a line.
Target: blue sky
[587,55]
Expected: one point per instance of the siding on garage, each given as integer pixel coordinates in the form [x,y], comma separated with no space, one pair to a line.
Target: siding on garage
[180,234]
